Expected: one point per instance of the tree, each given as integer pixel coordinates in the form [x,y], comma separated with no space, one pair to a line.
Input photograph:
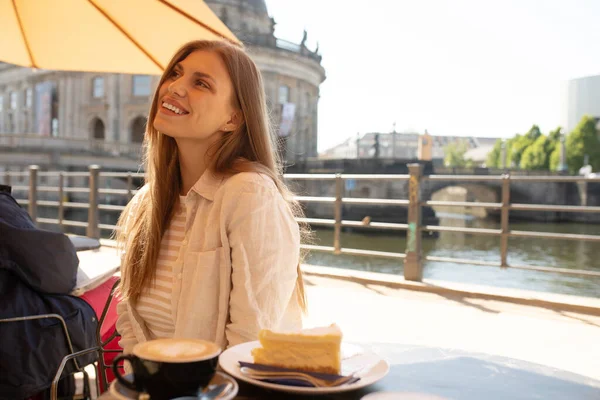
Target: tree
[454,155]
[534,133]
[495,155]
[583,140]
[555,159]
[536,156]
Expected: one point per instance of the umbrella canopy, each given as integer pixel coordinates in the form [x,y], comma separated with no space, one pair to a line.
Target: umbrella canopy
[121,36]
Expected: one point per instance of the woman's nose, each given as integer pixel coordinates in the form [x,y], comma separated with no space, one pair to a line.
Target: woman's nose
[177,87]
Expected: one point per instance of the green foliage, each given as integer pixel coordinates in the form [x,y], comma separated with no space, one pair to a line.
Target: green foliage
[535,151]
[494,156]
[555,159]
[535,156]
[454,155]
[583,140]
[519,144]
[534,133]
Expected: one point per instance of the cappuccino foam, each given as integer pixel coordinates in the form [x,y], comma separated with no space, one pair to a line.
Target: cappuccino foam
[176,350]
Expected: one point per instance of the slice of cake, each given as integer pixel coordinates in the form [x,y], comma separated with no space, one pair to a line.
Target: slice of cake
[311,350]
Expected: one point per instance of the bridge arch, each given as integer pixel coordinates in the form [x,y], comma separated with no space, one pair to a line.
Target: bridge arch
[465,192]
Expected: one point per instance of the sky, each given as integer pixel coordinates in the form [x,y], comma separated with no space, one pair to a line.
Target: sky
[453,67]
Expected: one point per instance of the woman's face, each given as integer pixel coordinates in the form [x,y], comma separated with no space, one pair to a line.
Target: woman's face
[195,99]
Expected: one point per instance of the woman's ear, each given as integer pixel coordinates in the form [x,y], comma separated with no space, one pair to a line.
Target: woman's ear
[234,123]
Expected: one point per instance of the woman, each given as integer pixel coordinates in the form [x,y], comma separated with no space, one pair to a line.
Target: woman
[211,249]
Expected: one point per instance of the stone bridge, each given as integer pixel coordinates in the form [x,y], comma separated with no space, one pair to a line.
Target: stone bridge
[522,192]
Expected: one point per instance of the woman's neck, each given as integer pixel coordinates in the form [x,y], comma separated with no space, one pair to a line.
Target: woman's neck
[192,162]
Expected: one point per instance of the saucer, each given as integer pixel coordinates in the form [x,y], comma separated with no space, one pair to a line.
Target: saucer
[120,392]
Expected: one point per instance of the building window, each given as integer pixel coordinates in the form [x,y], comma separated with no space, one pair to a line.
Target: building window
[98,130]
[98,88]
[28,97]
[11,124]
[284,94]
[138,130]
[13,100]
[26,121]
[1,114]
[141,85]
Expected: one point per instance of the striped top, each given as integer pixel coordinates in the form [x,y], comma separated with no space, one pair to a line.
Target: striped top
[154,304]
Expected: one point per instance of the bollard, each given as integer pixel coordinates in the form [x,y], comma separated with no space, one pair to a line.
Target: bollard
[92,229]
[33,195]
[413,268]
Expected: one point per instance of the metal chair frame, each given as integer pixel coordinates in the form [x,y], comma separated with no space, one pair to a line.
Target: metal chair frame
[102,367]
[71,356]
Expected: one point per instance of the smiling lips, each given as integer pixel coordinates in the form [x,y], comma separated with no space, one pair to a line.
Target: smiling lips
[176,108]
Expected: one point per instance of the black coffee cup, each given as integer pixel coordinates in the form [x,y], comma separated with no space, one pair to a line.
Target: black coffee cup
[167,368]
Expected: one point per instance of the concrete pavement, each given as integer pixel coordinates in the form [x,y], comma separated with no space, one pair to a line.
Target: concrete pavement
[376,313]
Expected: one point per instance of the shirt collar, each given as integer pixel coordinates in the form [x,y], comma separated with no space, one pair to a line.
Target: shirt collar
[207,185]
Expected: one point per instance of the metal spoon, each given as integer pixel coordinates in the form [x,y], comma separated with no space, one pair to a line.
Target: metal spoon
[210,392]
[214,391]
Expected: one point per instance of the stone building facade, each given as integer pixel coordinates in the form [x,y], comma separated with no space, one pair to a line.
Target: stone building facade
[113,107]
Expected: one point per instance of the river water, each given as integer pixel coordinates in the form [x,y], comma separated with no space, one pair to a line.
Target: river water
[521,251]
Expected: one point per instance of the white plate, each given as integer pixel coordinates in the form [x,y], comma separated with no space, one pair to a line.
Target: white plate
[353,358]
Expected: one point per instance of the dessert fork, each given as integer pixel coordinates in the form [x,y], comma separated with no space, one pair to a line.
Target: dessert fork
[316,382]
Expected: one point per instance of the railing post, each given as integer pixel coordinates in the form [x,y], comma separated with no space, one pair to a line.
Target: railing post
[339,192]
[504,220]
[129,186]
[61,206]
[33,195]
[92,228]
[413,268]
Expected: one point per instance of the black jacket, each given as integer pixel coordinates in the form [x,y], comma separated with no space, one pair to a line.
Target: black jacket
[38,270]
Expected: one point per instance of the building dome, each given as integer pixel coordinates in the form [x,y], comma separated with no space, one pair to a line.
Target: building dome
[243,16]
[291,72]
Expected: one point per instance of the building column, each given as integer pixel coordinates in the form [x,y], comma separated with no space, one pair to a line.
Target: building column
[112,97]
[62,106]
[79,128]
[67,129]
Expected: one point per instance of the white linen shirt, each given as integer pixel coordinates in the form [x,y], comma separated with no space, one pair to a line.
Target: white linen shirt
[237,266]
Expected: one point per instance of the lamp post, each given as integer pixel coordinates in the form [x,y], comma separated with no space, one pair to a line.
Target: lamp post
[394,142]
[562,166]
[503,154]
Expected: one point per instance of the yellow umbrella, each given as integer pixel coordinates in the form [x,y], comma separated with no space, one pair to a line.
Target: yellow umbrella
[123,36]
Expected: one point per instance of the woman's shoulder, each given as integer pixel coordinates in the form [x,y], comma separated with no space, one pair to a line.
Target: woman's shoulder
[249,182]
[140,194]
[137,198]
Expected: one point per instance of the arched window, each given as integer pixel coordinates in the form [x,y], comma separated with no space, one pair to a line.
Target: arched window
[138,130]
[98,130]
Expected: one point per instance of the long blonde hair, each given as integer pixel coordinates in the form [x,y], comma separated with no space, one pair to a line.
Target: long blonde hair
[249,148]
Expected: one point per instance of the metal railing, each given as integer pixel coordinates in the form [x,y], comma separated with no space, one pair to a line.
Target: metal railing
[413,255]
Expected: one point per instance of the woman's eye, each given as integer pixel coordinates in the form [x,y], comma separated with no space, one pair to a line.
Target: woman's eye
[174,74]
[202,84]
